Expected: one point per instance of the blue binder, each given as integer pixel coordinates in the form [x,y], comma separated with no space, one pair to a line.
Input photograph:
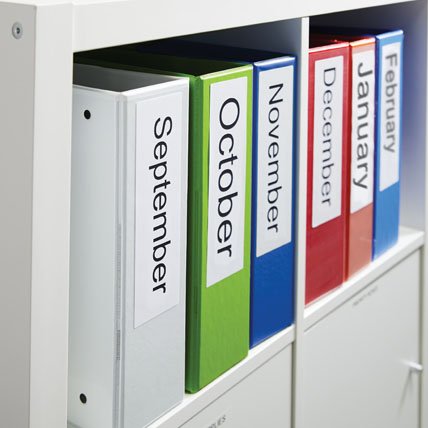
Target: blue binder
[272,263]
[272,273]
[387,191]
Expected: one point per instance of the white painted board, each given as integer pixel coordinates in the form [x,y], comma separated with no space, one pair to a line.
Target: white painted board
[262,399]
[356,359]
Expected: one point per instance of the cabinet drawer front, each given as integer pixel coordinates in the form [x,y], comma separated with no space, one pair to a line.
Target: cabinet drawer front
[356,359]
[261,399]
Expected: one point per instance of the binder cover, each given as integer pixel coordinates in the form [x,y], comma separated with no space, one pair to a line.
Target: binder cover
[128,247]
[273,183]
[327,167]
[389,76]
[219,209]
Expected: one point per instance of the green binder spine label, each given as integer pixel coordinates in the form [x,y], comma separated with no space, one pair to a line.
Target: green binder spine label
[227,178]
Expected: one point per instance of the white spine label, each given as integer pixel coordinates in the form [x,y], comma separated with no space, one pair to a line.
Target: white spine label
[275,159]
[327,144]
[158,190]
[362,146]
[390,92]
[227,178]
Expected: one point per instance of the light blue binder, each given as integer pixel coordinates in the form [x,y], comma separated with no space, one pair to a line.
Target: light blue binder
[387,178]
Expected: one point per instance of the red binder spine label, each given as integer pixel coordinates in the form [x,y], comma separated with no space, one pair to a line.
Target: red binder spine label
[328,122]
[362,149]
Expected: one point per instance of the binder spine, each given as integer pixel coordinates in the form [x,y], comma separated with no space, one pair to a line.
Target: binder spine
[155,212]
[273,188]
[327,171]
[361,182]
[196,238]
[389,59]
[218,319]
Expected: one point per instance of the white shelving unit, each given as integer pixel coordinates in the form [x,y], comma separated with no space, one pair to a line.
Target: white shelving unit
[351,358]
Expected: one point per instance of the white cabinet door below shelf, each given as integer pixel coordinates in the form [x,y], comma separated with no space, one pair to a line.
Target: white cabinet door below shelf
[356,372]
[262,399]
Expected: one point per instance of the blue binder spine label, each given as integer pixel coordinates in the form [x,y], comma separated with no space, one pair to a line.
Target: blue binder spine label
[227,178]
[158,189]
[327,155]
[363,117]
[389,93]
[275,159]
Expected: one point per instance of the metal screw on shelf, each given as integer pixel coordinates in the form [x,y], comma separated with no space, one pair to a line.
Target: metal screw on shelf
[415,367]
[17,30]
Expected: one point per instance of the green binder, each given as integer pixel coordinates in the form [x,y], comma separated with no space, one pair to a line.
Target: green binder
[219,199]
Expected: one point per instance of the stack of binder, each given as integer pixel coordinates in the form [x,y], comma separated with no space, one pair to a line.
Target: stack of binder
[371,138]
[219,202]
[360,162]
[273,183]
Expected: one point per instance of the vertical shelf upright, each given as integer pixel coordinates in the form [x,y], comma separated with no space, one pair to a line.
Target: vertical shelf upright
[35,143]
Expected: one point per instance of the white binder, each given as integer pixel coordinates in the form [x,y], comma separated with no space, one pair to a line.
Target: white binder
[128,247]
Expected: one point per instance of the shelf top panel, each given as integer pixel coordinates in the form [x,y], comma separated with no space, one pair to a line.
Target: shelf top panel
[104,23]
[100,23]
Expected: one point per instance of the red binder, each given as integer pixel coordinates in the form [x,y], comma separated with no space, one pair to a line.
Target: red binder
[328,166]
[360,201]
